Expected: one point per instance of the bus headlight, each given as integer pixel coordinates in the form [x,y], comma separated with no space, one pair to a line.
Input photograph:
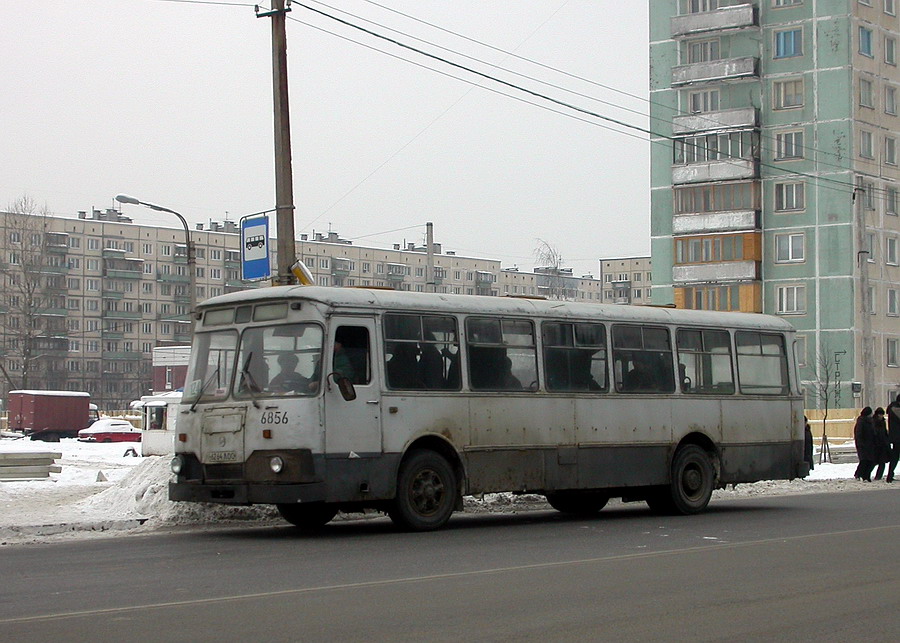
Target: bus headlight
[177,464]
[276,464]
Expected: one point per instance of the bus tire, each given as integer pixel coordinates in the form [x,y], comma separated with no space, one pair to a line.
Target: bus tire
[427,490]
[313,515]
[578,503]
[693,479]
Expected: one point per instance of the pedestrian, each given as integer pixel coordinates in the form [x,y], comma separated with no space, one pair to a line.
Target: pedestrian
[864,436]
[882,445]
[808,443]
[893,422]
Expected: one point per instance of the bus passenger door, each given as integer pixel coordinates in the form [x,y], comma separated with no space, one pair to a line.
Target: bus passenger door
[352,428]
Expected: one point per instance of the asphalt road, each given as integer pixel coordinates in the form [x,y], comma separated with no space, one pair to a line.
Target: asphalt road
[818,567]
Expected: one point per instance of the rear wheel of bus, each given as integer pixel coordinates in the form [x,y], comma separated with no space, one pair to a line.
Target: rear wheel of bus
[427,489]
[313,515]
[693,480]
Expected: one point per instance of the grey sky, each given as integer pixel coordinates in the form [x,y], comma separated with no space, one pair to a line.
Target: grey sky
[171,102]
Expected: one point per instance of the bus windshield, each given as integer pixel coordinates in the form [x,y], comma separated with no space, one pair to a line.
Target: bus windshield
[279,360]
[211,365]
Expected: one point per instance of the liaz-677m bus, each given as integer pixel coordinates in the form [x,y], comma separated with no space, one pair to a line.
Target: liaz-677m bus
[325,399]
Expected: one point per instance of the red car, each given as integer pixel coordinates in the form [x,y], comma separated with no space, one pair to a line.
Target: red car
[109,430]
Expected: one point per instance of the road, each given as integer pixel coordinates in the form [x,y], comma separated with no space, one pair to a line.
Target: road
[817,567]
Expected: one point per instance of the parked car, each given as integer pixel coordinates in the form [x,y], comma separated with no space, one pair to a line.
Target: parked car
[110,430]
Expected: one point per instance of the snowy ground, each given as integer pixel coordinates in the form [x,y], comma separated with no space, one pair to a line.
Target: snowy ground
[102,490]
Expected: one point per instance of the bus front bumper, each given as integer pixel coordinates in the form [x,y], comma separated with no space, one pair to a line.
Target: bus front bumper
[246,493]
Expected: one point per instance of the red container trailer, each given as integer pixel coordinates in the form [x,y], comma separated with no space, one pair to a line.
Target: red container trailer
[50,415]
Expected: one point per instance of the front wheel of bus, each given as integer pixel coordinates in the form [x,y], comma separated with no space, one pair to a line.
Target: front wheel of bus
[426,492]
[308,516]
[691,486]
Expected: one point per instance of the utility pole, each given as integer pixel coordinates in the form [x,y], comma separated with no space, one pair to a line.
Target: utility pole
[429,257]
[284,188]
[862,258]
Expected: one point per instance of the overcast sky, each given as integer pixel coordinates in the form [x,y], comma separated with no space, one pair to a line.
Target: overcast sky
[171,102]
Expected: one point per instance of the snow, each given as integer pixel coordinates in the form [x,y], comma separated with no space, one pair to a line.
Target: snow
[102,490]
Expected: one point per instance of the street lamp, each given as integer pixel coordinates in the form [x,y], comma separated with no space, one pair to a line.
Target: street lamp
[189,247]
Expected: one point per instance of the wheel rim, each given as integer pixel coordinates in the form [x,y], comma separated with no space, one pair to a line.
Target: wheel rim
[427,492]
[692,481]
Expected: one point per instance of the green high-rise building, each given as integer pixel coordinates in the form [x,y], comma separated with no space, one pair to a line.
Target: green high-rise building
[774,176]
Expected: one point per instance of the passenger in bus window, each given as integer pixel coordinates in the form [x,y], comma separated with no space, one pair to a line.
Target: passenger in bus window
[402,367]
[640,377]
[288,379]
[431,366]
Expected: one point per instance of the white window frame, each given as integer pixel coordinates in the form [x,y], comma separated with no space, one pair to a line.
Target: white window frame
[866,42]
[789,145]
[866,144]
[891,345]
[890,50]
[790,247]
[790,196]
[796,48]
[866,93]
[786,94]
[890,100]
[893,304]
[791,299]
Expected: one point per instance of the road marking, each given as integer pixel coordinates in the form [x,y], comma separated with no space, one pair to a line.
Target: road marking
[432,577]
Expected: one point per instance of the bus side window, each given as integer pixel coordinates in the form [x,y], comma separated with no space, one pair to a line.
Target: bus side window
[642,357]
[704,362]
[351,355]
[574,356]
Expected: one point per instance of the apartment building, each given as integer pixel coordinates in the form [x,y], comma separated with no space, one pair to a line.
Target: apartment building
[769,117]
[626,280]
[86,300]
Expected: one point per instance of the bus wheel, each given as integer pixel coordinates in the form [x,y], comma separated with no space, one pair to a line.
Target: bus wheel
[579,503]
[691,487]
[426,492]
[308,516]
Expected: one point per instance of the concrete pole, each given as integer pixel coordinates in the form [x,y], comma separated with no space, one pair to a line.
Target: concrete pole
[429,254]
[862,258]
[284,189]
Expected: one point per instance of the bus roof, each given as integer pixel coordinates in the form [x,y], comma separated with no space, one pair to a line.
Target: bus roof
[378,299]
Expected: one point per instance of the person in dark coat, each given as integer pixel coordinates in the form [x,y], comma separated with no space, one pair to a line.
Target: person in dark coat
[882,445]
[808,443]
[893,422]
[864,436]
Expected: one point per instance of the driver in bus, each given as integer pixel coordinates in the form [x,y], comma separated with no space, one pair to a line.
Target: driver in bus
[288,379]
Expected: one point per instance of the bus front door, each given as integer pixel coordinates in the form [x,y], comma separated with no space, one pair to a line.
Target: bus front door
[352,427]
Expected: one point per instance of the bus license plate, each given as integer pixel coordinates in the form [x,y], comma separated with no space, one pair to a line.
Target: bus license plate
[222,456]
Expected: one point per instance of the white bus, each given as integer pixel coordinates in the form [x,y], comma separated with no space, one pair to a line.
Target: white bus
[425,398]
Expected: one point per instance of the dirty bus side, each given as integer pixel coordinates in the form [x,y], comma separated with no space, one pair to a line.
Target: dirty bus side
[322,399]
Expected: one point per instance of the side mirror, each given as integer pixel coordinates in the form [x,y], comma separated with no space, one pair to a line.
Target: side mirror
[345,386]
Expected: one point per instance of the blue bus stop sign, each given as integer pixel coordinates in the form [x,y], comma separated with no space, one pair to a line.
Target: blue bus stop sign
[255,264]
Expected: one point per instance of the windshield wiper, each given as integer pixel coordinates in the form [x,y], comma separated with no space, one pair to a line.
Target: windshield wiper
[247,376]
[203,388]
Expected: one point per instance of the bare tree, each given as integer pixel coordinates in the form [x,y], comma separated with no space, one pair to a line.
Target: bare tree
[824,387]
[549,261]
[32,292]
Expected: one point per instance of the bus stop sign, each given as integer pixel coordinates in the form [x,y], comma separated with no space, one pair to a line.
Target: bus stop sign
[255,264]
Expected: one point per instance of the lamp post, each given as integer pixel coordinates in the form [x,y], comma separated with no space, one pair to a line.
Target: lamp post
[189,247]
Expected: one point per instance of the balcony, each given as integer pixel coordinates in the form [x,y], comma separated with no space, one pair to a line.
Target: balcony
[729,169]
[122,274]
[112,294]
[728,119]
[742,16]
[484,278]
[173,279]
[122,355]
[52,312]
[716,222]
[716,70]
[235,265]
[340,267]
[723,271]
[113,253]
[121,314]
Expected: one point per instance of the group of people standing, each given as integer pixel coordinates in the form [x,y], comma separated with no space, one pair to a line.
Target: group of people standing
[877,437]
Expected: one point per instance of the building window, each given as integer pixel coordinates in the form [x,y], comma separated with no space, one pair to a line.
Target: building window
[890,100]
[714,147]
[893,308]
[701,51]
[789,248]
[890,50]
[865,41]
[788,94]
[791,299]
[718,197]
[890,201]
[891,345]
[866,94]
[789,196]
[701,6]
[789,145]
[786,3]
[890,250]
[866,148]
[700,102]
[801,350]
[789,43]
[890,8]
